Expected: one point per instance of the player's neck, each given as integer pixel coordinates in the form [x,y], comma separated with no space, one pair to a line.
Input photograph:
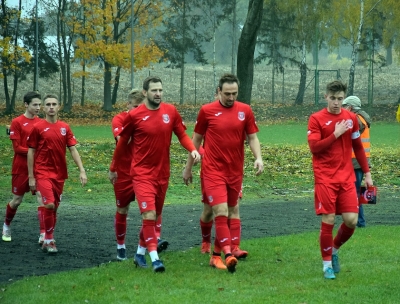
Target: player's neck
[152,106]
[51,119]
[29,115]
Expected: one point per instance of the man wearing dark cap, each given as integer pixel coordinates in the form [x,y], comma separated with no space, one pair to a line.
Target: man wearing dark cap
[353,104]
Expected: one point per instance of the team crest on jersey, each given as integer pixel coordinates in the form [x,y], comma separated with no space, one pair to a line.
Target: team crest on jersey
[349,123]
[241,116]
[165,118]
[63,131]
[15,189]
[144,205]
[210,199]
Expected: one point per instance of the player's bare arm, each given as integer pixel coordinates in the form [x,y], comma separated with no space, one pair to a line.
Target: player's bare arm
[255,148]
[30,160]
[78,162]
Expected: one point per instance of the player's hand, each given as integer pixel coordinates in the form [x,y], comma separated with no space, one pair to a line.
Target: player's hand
[258,164]
[112,176]
[368,180]
[187,176]
[32,184]
[83,178]
[196,156]
[341,128]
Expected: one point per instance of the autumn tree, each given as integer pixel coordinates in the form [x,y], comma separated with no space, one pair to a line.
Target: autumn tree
[180,36]
[107,38]
[11,54]
[246,48]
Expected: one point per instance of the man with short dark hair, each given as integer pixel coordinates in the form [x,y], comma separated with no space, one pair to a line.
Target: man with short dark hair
[47,165]
[150,127]
[224,125]
[19,131]
[332,135]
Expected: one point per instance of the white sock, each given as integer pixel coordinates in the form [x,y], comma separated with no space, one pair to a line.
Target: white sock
[6,227]
[48,241]
[154,255]
[326,264]
[335,250]
[141,250]
[121,246]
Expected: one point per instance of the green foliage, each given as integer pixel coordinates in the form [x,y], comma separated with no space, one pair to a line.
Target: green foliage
[284,269]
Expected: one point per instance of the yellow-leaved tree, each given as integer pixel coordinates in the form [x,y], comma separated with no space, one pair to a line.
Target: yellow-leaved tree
[104,35]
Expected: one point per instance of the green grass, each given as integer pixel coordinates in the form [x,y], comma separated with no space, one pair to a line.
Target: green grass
[283,269]
[287,174]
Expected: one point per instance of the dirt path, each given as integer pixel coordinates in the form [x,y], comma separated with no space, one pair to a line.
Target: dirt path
[85,237]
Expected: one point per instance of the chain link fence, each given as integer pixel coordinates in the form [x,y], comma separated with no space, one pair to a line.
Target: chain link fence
[200,84]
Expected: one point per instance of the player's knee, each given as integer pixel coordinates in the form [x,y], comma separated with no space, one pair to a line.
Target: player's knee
[50,206]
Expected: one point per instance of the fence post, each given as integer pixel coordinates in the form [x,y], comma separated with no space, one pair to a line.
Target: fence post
[195,87]
[316,97]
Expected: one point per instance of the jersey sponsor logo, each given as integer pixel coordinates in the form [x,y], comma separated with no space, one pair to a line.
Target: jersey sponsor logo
[63,131]
[46,129]
[145,118]
[118,203]
[25,124]
[241,116]
[218,114]
[15,189]
[165,118]
[144,205]
[210,198]
[328,123]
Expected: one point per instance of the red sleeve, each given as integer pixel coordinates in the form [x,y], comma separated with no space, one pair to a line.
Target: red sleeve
[123,141]
[18,149]
[317,146]
[360,154]
[187,143]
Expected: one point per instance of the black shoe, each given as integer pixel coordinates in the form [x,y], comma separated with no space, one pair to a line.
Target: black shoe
[158,266]
[140,261]
[121,254]
[162,245]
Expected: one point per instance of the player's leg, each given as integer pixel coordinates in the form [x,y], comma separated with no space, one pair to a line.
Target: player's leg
[40,214]
[348,207]
[206,223]
[161,244]
[324,202]
[11,210]
[361,218]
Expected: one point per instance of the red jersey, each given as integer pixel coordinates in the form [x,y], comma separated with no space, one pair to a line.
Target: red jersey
[50,141]
[117,125]
[225,131]
[20,128]
[333,164]
[151,132]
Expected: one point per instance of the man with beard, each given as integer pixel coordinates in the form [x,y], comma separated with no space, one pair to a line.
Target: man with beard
[150,126]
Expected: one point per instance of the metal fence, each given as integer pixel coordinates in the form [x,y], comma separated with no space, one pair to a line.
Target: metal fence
[199,84]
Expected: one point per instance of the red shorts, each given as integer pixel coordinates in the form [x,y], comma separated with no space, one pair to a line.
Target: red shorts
[335,198]
[20,184]
[51,190]
[124,193]
[150,194]
[221,189]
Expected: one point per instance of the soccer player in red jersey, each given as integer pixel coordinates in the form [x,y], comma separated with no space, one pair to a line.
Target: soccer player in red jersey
[47,166]
[123,188]
[19,131]
[150,127]
[332,135]
[224,124]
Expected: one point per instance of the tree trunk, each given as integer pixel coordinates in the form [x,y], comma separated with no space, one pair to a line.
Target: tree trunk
[234,26]
[354,52]
[107,105]
[83,89]
[181,92]
[302,87]
[116,86]
[247,45]
[303,77]
[389,55]
[9,110]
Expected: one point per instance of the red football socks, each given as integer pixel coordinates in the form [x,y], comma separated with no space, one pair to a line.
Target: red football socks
[49,223]
[120,227]
[149,234]
[342,236]
[158,226]
[326,241]
[206,231]
[10,213]
[235,229]
[223,234]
